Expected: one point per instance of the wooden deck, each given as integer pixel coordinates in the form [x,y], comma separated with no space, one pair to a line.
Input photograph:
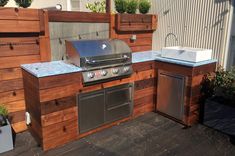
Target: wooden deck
[148,135]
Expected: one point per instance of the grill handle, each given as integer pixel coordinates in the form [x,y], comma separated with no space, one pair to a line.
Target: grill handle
[92,62]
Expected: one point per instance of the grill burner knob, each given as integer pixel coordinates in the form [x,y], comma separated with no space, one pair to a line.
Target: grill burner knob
[126,69]
[115,71]
[90,75]
[104,72]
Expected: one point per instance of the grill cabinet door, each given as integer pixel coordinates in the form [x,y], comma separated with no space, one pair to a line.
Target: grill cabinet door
[170,99]
[118,102]
[91,110]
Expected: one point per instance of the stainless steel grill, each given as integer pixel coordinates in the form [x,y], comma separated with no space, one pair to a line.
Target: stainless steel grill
[101,60]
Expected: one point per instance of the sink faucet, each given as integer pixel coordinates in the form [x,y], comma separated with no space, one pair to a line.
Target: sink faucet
[169,34]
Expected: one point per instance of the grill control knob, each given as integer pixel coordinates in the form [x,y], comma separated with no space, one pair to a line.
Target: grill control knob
[126,69]
[115,71]
[104,72]
[91,75]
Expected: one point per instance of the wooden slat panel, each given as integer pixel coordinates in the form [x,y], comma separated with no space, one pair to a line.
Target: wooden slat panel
[59,134]
[147,83]
[15,106]
[59,92]
[10,73]
[138,35]
[144,93]
[139,42]
[45,49]
[14,26]
[142,66]
[138,48]
[59,116]
[135,18]
[20,46]
[58,105]
[19,126]
[70,16]
[11,96]
[11,62]
[18,116]
[59,80]
[11,85]
[177,69]
[19,14]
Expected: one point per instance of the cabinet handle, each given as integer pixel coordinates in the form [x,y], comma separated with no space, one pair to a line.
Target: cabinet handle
[11,46]
[57,103]
[14,93]
[16,10]
[64,129]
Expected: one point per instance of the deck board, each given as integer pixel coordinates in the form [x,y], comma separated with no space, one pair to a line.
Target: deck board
[148,135]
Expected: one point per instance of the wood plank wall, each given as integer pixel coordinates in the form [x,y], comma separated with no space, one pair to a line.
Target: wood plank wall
[143,42]
[24,38]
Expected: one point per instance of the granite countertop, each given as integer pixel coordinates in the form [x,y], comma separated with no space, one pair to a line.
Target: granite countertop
[50,68]
[60,67]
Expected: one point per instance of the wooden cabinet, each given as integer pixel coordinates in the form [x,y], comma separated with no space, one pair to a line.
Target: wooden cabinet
[178,92]
[171,91]
[136,22]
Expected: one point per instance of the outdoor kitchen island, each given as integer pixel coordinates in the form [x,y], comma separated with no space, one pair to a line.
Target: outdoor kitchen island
[51,91]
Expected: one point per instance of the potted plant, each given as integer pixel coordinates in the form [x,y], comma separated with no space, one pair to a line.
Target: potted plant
[6,140]
[132,6]
[218,92]
[23,3]
[3,2]
[144,6]
[120,6]
[97,6]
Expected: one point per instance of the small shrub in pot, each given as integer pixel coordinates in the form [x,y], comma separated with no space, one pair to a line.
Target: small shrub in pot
[132,6]
[3,116]
[120,6]
[23,3]
[6,139]
[3,2]
[144,6]
[97,6]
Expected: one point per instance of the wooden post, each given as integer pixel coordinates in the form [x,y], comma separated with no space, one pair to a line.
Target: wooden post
[108,6]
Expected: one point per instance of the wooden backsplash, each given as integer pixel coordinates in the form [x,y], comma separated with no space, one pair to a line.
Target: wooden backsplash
[143,40]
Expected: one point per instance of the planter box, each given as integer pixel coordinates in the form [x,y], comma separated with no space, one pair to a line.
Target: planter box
[6,140]
[220,117]
[135,22]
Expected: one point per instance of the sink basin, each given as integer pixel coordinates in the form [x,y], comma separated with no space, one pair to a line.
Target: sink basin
[187,53]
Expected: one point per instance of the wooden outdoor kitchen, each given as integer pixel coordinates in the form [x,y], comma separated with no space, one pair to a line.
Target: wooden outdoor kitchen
[52,100]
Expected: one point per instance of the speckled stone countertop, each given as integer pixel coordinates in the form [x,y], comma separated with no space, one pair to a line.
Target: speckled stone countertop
[50,68]
[156,55]
[59,67]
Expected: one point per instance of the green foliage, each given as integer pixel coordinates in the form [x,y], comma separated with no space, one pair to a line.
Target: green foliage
[97,6]
[144,6]
[120,6]
[219,84]
[23,3]
[3,2]
[132,6]
[3,115]
[3,110]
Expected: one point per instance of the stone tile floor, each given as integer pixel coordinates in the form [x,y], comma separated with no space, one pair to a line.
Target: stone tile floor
[149,135]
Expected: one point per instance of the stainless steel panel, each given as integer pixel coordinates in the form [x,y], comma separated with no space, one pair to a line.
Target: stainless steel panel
[170,98]
[119,102]
[91,110]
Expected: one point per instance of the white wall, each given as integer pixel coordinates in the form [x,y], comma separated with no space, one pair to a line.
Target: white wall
[42,3]
[196,23]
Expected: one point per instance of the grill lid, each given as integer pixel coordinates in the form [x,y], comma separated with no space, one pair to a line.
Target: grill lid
[92,48]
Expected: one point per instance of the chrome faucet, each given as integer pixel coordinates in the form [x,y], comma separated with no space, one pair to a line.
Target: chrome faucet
[169,34]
